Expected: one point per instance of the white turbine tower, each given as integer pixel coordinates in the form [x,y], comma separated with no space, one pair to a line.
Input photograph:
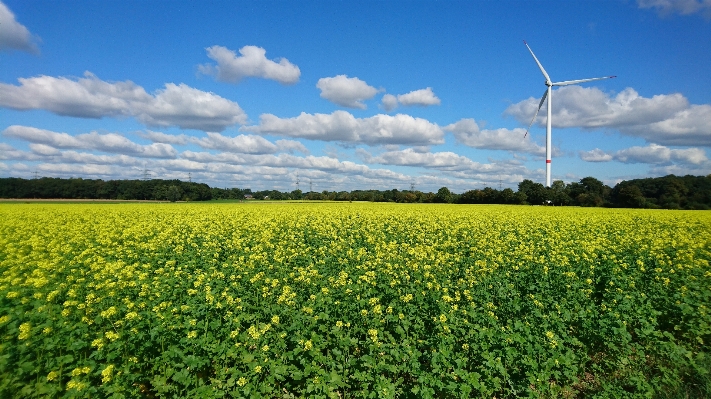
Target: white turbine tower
[547,93]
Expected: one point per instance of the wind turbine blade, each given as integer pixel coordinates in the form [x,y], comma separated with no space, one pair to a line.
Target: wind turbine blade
[545,74]
[543,99]
[572,82]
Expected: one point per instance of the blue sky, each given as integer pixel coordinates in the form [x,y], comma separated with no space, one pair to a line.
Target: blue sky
[353,95]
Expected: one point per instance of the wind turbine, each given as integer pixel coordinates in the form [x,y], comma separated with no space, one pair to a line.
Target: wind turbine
[547,93]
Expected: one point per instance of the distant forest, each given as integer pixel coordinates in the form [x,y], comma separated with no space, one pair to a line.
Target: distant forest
[668,192]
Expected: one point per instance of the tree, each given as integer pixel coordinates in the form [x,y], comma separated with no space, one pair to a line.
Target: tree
[536,193]
[557,193]
[631,197]
[173,193]
[443,195]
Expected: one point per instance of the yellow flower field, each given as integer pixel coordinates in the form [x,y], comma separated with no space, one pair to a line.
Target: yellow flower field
[352,300]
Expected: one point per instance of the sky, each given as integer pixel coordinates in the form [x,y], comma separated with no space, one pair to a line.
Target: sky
[346,95]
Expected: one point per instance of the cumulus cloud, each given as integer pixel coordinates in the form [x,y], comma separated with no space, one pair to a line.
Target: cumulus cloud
[8,152]
[44,149]
[341,126]
[239,144]
[247,144]
[683,7]
[650,154]
[159,137]
[389,102]
[111,142]
[345,91]
[596,155]
[291,146]
[663,119]
[422,97]
[14,35]
[324,164]
[90,97]
[252,62]
[445,161]
[467,132]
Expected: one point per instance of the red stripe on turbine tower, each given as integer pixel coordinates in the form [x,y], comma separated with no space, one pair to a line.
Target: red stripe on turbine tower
[548,161]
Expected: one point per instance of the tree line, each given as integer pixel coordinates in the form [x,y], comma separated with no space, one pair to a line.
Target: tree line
[668,192]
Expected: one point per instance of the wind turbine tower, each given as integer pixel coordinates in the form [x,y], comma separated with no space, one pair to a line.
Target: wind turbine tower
[547,94]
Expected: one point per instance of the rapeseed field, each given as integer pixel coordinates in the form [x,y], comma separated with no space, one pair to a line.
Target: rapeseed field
[352,300]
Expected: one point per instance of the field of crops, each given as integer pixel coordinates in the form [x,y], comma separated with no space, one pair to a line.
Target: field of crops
[353,300]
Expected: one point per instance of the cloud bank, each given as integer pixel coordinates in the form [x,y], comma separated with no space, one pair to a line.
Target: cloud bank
[661,119]
[467,132]
[89,97]
[341,126]
[651,154]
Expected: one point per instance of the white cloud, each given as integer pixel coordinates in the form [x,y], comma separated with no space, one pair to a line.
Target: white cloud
[14,35]
[650,154]
[252,62]
[341,126]
[90,97]
[240,144]
[663,119]
[8,152]
[291,146]
[422,97]
[683,7]
[159,137]
[345,91]
[43,149]
[88,170]
[111,142]
[222,161]
[596,155]
[467,132]
[389,102]
[444,161]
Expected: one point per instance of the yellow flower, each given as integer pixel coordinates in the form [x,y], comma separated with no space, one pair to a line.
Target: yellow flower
[442,318]
[373,333]
[192,334]
[242,381]
[98,343]
[275,319]
[258,369]
[265,348]
[80,370]
[112,335]
[107,373]
[25,329]
[308,345]
[52,375]
[74,384]
[339,324]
